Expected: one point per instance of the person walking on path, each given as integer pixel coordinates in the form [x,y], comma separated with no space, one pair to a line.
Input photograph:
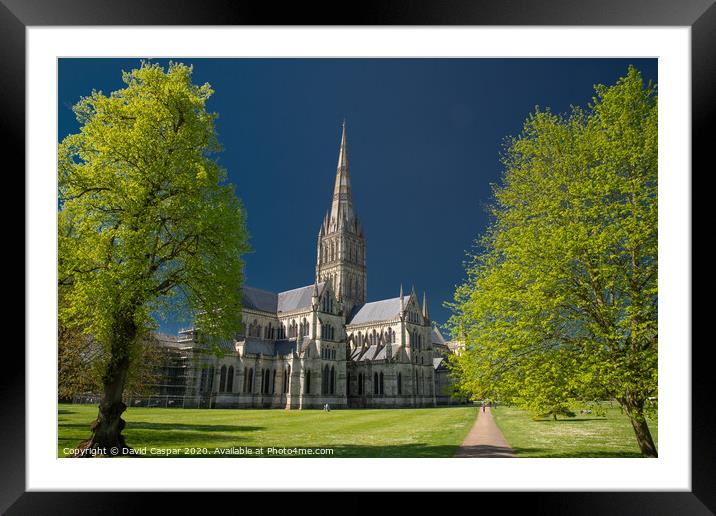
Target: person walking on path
[483,407]
[485,439]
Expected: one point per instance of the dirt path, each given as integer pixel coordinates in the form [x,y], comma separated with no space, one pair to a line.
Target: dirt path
[485,439]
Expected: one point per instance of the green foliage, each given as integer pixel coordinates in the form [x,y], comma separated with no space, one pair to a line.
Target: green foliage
[145,219]
[560,300]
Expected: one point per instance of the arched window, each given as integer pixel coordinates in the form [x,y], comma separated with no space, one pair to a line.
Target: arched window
[267,385]
[210,380]
[375,384]
[360,383]
[307,386]
[417,386]
[333,380]
[204,376]
[400,383]
[249,380]
[381,384]
[285,380]
[230,379]
[273,382]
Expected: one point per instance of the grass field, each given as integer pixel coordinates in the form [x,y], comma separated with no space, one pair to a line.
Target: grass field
[581,436]
[429,432]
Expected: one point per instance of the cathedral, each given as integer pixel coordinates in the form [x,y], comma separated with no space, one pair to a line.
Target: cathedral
[323,343]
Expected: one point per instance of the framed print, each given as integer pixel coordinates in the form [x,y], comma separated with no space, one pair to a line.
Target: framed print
[398,125]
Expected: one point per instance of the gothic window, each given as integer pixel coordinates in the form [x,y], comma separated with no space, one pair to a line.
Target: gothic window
[375,384]
[333,380]
[249,380]
[360,383]
[202,385]
[400,383]
[210,380]
[273,382]
[230,380]
[307,387]
[417,387]
[381,384]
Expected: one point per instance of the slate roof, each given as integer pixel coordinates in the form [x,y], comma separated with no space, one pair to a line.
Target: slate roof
[437,362]
[373,353]
[384,310]
[437,337]
[257,299]
[297,298]
[288,301]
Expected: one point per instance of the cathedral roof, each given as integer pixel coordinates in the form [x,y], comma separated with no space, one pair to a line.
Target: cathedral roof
[373,352]
[288,301]
[437,337]
[377,311]
[297,298]
[258,299]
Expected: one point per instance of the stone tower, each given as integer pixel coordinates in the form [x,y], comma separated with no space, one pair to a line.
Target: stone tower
[341,243]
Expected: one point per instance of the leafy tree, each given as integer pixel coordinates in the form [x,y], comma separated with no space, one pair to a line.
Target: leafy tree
[561,296]
[145,222]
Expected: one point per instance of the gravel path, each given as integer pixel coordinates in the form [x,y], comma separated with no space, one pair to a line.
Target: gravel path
[485,439]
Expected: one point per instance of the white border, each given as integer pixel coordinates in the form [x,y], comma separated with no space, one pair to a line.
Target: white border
[672,470]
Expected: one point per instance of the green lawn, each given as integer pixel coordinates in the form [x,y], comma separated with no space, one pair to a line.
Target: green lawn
[428,432]
[581,436]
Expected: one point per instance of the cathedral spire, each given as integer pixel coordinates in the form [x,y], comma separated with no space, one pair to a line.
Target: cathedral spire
[426,314]
[342,206]
[402,302]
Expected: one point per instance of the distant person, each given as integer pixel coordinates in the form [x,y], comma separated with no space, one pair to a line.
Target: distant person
[483,406]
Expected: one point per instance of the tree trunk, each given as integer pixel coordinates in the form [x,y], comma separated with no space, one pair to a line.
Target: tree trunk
[641,429]
[107,439]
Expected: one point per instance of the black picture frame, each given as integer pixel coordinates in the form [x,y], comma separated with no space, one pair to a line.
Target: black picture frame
[699,15]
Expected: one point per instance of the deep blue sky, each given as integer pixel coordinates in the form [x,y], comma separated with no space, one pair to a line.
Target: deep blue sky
[424,137]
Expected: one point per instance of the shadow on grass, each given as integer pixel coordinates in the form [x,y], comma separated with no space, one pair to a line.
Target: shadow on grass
[570,420]
[420,450]
[145,425]
[484,451]
[541,453]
